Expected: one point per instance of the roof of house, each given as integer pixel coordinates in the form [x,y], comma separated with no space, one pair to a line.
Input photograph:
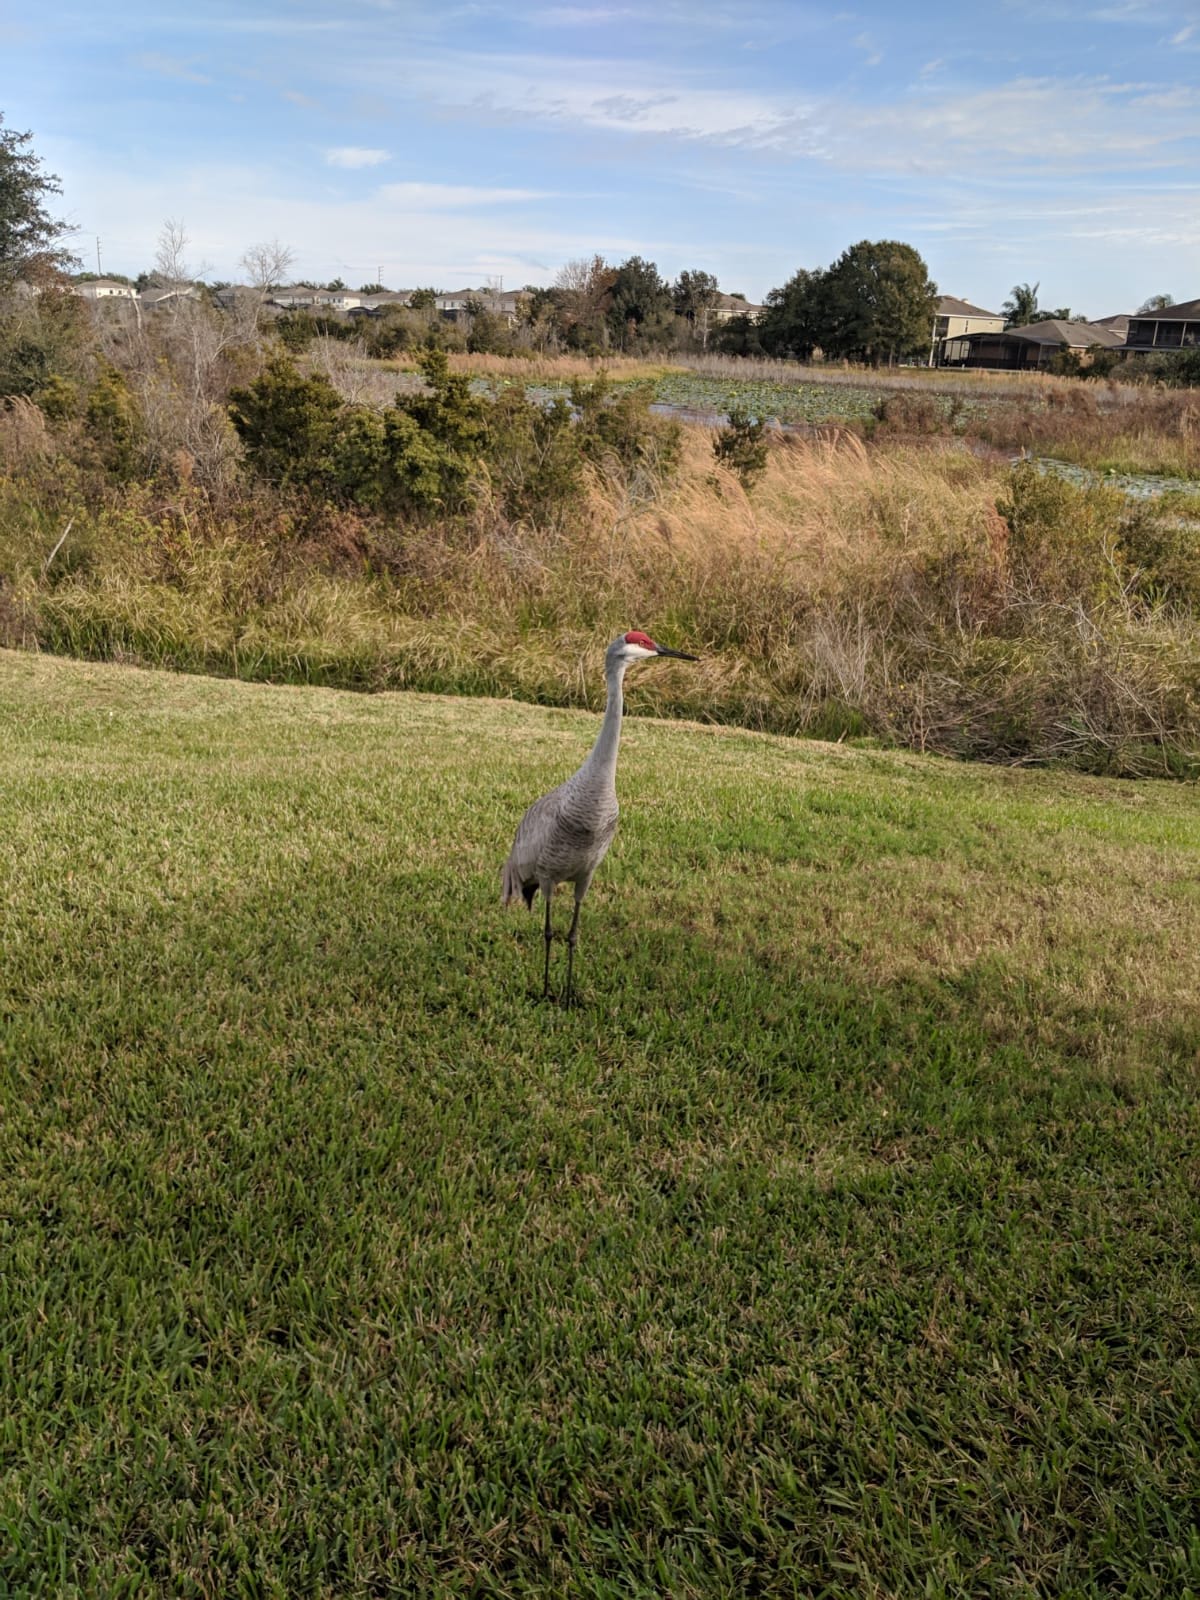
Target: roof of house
[1187,309]
[1117,324]
[734,302]
[948,306]
[1075,335]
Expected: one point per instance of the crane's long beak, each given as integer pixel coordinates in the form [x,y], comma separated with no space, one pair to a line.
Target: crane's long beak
[678,654]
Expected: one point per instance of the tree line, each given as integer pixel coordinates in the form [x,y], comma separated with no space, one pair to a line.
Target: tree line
[875,304]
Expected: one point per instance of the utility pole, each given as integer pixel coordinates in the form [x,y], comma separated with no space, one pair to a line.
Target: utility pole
[99,268]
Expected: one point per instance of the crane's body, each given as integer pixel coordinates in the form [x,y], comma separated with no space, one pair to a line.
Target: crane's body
[565,835]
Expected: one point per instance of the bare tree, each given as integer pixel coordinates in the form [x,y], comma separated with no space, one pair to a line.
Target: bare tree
[172,270]
[266,266]
[184,359]
[583,286]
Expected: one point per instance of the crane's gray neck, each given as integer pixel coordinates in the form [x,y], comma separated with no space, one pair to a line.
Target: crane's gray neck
[603,759]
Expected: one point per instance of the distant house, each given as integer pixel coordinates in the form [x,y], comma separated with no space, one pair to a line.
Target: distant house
[505,303]
[1118,324]
[374,305]
[955,319]
[727,306]
[301,298]
[1028,348]
[105,289]
[1173,328]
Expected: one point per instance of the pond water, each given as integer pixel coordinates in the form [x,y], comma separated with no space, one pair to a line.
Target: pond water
[1138,485]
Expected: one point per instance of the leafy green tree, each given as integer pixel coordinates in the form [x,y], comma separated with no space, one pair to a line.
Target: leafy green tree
[1155,302]
[489,334]
[739,336]
[877,301]
[793,322]
[372,288]
[29,235]
[422,300]
[1021,307]
[44,338]
[640,308]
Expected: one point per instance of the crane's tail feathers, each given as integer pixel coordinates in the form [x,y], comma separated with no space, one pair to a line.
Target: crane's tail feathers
[512,889]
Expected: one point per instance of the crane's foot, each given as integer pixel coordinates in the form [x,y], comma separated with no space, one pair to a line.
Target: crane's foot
[564,1001]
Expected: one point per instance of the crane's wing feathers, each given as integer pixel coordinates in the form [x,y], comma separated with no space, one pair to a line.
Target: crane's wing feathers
[563,837]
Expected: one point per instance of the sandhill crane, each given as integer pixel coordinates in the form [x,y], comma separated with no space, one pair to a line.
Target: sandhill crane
[565,835]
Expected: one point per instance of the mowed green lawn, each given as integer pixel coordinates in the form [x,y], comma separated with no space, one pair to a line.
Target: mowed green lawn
[843,1242]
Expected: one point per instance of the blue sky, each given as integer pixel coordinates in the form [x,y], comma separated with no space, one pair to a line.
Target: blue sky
[444,144]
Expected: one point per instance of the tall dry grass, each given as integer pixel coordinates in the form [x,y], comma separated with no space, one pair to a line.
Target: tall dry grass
[559,368]
[948,380]
[860,590]
[1122,429]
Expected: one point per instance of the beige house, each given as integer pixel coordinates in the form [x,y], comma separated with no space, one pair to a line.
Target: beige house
[301,298]
[505,303]
[728,306]
[955,319]
[105,289]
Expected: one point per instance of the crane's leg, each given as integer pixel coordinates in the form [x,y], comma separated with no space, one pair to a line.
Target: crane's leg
[573,939]
[547,891]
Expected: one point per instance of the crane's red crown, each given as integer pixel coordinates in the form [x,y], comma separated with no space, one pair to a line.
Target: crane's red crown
[644,639]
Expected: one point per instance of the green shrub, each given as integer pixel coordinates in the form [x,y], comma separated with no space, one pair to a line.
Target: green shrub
[111,422]
[59,398]
[742,445]
[419,456]
[535,458]
[44,338]
[1063,540]
[489,335]
[618,429]
[287,423]
[1163,551]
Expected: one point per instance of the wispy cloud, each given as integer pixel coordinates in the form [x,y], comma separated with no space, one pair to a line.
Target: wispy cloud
[583,16]
[1026,124]
[352,155]
[866,44]
[454,196]
[169,67]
